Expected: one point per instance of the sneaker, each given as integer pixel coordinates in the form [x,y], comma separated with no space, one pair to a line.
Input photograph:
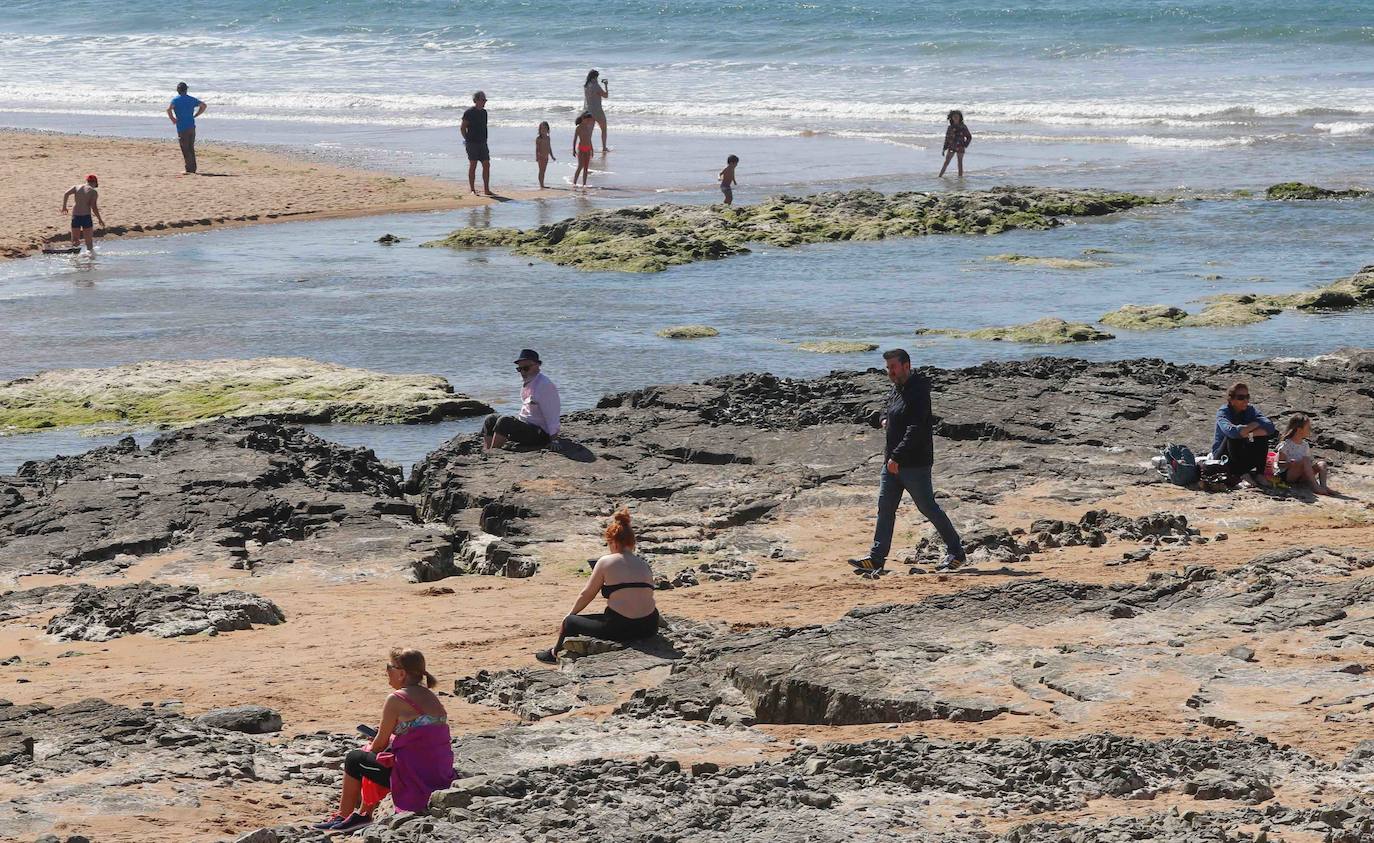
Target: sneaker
[546,656]
[355,820]
[950,562]
[328,822]
[867,565]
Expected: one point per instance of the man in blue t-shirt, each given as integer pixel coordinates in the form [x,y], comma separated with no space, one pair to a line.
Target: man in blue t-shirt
[183,113]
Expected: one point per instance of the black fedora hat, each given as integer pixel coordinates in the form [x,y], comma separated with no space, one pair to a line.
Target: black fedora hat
[528,354]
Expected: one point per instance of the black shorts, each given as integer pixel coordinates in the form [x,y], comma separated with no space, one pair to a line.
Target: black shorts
[361,764]
[81,221]
[516,430]
[477,151]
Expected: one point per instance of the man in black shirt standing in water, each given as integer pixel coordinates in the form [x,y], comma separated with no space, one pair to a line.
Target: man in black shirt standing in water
[909,455]
[474,131]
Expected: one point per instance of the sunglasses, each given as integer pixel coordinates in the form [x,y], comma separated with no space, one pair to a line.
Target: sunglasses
[523,367]
[390,666]
[1245,397]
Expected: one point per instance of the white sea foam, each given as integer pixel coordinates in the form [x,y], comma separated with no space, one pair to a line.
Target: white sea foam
[1345,128]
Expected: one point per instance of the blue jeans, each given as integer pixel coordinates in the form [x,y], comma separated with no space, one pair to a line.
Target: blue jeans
[916,481]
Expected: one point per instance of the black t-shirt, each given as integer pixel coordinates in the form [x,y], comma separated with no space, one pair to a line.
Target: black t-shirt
[477,124]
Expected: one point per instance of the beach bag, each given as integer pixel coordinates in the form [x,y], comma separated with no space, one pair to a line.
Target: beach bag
[1271,465]
[1212,469]
[1179,466]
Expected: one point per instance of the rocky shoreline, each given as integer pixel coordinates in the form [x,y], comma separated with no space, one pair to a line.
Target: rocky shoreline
[1168,686]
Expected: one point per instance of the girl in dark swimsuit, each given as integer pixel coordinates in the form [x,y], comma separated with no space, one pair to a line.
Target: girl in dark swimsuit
[957,139]
[627,583]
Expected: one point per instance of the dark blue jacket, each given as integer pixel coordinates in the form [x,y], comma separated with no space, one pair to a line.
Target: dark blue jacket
[1230,423]
[910,439]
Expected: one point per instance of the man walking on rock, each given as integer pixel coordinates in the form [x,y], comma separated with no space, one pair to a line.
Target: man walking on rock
[908,457]
[183,113]
[537,422]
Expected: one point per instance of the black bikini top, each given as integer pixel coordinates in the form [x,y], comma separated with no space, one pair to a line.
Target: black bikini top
[606,590]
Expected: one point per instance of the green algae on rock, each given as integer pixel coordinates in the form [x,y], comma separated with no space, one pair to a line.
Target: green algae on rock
[1050,331]
[1298,190]
[688,332]
[174,393]
[1049,263]
[837,346]
[1135,317]
[651,238]
[1235,309]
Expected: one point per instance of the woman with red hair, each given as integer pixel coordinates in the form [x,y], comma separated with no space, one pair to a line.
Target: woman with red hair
[626,581]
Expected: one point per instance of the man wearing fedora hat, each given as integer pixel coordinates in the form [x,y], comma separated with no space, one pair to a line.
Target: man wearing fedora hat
[537,422]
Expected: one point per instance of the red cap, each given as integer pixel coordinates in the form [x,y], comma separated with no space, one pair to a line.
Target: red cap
[92,177]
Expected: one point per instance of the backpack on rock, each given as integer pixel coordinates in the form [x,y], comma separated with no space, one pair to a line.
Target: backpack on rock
[1178,465]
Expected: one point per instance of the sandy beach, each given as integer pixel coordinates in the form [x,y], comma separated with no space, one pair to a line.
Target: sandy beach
[144,193]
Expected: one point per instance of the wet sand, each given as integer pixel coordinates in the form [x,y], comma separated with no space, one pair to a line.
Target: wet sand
[143,191]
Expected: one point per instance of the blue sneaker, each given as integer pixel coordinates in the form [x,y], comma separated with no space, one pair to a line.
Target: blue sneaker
[355,820]
[328,823]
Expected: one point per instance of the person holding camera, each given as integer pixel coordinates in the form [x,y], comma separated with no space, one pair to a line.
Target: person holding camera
[593,92]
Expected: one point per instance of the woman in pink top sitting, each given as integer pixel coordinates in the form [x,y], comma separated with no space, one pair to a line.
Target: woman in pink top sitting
[411,753]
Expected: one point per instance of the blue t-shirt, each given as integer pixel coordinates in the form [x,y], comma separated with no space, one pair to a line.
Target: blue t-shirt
[184,107]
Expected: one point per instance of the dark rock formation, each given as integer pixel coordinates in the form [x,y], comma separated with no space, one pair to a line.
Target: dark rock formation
[1298,190]
[705,465]
[166,611]
[253,719]
[142,760]
[878,791]
[1095,528]
[243,492]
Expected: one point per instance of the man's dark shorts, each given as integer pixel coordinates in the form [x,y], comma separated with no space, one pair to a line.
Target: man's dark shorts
[477,152]
[1244,456]
[515,430]
[82,221]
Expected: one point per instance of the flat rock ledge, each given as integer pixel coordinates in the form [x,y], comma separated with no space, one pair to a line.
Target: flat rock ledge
[176,393]
[652,238]
[1076,649]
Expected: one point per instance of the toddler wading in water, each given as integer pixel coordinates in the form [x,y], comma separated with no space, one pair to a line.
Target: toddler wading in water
[727,179]
[1295,462]
[957,139]
[543,151]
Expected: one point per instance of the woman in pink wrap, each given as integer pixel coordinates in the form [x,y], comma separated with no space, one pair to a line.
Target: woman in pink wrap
[411,753]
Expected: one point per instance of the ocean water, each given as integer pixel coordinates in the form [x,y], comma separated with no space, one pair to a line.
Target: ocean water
[326,290]
[1047,87]
[1124,94]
